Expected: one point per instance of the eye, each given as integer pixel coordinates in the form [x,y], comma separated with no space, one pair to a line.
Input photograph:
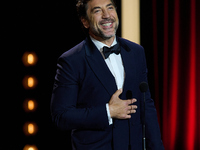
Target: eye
[111,7]
[96,11]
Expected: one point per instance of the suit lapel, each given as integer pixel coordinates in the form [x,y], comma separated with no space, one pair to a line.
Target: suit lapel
[128,63]
[99,67]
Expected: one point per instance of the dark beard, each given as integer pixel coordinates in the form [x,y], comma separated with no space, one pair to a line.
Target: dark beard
[99,32]
[103,36]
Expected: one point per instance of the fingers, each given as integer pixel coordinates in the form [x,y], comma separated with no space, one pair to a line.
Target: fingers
[121,109]
[131,101]
[131,111]
[128,117]
[132,107]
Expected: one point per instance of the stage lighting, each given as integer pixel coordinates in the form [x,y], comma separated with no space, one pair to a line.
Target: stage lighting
[29,82]
[30,128]
[30,147]
[29,58]
[30,105]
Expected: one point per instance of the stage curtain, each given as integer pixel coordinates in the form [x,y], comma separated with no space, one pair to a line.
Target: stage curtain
[177,71]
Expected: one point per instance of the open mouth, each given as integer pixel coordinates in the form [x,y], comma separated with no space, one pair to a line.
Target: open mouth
[106,24]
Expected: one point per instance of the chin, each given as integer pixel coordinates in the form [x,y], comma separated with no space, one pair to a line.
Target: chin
[109,35]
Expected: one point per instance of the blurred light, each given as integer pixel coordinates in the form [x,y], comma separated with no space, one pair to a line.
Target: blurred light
[29,58]
[29,105]
[30,128]
[29,82]
[30,147]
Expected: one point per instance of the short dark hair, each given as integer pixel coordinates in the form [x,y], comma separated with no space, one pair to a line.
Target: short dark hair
[81,7]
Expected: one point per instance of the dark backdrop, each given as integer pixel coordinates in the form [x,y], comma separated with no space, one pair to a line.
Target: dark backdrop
[51,28]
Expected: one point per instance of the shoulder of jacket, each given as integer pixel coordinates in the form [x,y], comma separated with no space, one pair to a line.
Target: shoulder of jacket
[130,46]
[73,51]
[129,43]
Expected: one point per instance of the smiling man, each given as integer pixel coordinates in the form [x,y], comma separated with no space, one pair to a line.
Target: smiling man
[101,20]
[96,92]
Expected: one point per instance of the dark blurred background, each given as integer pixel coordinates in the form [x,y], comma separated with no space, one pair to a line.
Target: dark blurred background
[50,28]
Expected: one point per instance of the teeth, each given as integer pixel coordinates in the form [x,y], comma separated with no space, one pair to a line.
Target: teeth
[107,24]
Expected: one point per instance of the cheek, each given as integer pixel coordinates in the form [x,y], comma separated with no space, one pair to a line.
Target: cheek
[115,16]
[94,20]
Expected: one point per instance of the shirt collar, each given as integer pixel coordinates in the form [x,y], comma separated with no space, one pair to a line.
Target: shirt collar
[100,45]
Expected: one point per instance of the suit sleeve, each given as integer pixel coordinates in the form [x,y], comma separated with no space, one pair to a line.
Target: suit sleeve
[65,113]
[153,136]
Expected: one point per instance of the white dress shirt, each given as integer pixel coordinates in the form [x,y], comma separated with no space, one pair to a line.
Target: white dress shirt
[115,65]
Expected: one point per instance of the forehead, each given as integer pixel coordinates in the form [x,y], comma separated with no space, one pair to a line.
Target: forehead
[98,3]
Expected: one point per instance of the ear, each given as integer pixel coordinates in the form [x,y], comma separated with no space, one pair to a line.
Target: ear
[85,22]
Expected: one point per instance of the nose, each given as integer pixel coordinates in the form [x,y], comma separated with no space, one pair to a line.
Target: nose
[106,14]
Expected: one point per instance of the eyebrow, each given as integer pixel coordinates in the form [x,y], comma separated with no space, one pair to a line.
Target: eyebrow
[100,7]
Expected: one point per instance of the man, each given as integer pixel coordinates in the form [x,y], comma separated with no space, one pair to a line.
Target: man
[96,95]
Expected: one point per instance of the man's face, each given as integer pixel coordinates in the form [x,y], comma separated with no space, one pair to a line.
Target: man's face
[102,19]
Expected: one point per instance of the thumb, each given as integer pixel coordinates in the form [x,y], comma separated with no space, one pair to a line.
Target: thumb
[118,92]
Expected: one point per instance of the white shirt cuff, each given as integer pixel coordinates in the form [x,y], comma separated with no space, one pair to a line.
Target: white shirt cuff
[110,121]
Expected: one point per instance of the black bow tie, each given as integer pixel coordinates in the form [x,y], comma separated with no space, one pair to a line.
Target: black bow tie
[109,50]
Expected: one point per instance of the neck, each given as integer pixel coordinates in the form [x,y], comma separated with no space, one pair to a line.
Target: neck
[105,41]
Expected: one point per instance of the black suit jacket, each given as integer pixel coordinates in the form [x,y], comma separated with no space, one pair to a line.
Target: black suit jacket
[83,86]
